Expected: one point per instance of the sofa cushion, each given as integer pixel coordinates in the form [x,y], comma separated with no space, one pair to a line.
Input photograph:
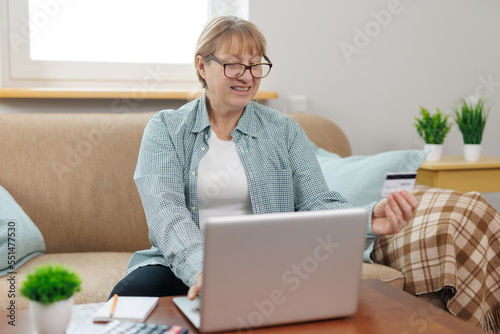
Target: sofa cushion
[99,272]
[387,274]
[20,239]
[81,190]
[360,178]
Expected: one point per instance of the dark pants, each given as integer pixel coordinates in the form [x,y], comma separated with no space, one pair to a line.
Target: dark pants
[154,280]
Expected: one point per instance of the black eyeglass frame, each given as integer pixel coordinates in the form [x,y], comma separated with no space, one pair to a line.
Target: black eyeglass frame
[247,67]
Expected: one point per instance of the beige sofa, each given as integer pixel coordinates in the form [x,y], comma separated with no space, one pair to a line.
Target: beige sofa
[72,174]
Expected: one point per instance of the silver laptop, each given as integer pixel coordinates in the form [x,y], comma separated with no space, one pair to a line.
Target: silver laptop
[272,269]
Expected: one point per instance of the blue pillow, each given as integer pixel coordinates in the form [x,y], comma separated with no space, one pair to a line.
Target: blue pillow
[360,178]
[20,239]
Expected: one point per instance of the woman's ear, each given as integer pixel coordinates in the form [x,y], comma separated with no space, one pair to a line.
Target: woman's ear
[200,66]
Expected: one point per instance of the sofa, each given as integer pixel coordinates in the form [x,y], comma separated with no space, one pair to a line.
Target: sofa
[72,174]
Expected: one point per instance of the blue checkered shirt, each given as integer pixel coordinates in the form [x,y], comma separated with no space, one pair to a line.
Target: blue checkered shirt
[282,171]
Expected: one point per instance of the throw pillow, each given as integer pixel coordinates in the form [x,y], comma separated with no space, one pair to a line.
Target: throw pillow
[360,178]
[20,239]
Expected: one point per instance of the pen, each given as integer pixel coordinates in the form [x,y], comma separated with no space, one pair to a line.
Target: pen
[115,299]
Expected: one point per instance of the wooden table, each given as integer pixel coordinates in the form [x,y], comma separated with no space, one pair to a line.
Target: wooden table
[382,309]
[453,172]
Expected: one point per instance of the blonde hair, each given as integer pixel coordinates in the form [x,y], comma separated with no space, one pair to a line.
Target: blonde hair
[222,31]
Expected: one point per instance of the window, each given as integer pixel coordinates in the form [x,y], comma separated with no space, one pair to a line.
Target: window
[109,42]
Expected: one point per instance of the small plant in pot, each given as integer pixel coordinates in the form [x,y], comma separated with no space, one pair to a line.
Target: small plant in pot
[433,130]
[50,290]
[471,116]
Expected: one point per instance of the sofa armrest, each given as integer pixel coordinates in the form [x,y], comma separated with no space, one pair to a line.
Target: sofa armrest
[323,132]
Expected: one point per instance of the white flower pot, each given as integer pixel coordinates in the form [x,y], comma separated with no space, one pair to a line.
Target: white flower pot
[436,150]
[53,318]
[472,152]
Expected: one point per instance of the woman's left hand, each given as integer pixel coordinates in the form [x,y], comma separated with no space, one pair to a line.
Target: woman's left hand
[393,213]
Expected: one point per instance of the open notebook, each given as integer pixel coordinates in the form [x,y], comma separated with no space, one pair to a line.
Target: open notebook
[127,308]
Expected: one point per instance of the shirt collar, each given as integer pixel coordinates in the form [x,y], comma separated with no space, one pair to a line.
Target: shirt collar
[201,121]
[247,123]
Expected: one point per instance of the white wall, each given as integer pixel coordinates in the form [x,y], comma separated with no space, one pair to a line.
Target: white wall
[430,53]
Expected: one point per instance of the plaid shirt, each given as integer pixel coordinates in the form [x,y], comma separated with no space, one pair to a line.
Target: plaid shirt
[282,172]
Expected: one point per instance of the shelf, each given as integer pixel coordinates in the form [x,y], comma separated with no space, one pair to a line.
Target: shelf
[453,172]
[57,93]
[457,162]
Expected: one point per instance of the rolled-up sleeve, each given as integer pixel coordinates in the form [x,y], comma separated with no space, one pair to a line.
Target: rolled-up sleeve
[311,191]
[160,182]
[310,188]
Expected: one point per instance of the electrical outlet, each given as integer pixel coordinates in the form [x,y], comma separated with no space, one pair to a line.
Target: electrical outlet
[297,103]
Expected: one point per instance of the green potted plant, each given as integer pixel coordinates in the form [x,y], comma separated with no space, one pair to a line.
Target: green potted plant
[50,290]
[433,130]
[471,116]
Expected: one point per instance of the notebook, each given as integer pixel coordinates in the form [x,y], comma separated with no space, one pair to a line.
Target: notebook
[127,308]
[273,269]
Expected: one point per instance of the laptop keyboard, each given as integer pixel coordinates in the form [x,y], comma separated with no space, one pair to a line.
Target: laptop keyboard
[127,327]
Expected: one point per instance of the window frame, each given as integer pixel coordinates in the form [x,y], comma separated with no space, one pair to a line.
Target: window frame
[19,70]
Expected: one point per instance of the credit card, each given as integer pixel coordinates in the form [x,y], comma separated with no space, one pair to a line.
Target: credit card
[398,182]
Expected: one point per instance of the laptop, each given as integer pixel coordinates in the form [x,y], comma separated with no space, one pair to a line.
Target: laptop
[272,269]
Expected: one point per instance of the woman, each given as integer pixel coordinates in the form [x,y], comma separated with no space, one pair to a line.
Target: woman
[226,155]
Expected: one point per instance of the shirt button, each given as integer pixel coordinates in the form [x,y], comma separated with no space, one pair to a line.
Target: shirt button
[193,173]
[203,149]
[246,136]
[193,208]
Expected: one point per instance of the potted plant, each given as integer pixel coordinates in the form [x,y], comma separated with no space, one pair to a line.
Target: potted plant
[471,116]
[433,130]
[50,290]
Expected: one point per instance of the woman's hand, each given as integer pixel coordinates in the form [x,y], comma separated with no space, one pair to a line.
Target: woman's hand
[393,213]
[196,288]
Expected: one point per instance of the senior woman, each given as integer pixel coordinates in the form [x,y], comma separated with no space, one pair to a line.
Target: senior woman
[223,154]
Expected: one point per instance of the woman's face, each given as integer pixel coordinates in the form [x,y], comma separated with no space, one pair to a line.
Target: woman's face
[224,93]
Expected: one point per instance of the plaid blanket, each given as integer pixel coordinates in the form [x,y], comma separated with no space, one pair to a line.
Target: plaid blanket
[453,246]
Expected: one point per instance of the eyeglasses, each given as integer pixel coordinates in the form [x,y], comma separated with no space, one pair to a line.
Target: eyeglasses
[236,70]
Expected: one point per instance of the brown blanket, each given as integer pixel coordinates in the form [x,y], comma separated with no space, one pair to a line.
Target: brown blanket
[452,245]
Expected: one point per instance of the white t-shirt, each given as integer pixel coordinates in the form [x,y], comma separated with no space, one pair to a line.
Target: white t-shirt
[222,182]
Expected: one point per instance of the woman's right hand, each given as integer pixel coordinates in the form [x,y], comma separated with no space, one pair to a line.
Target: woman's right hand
[195,290]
